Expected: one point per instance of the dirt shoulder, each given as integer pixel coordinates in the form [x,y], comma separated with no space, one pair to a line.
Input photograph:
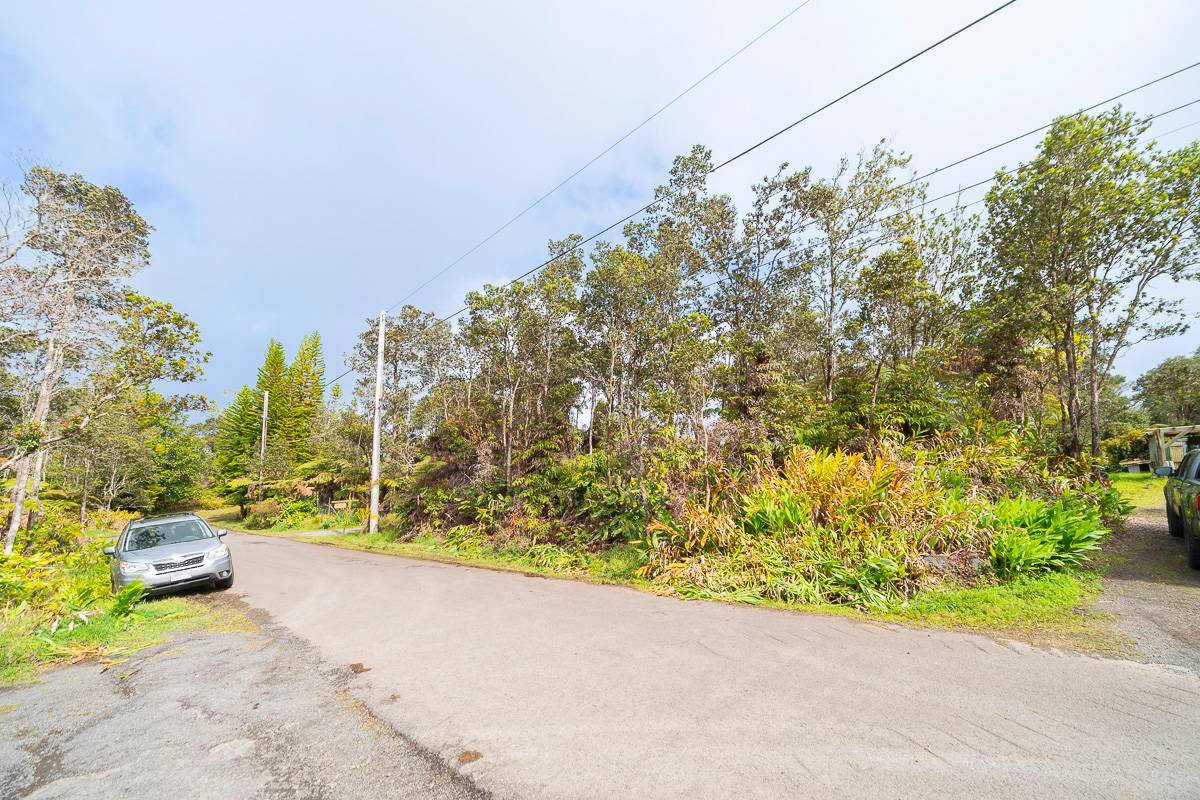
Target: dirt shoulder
[1151,593]
[210,715]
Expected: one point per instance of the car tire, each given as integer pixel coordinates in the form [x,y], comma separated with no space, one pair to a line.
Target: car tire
[1173,525]
[1192,543]
[225,583]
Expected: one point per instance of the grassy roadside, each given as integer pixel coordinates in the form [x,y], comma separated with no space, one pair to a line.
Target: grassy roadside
[27,644]
[56,605]
[1048,610]
[229,518]
[617,566]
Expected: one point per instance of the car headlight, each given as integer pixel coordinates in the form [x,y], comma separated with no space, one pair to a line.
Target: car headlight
[132,567]
[219,552]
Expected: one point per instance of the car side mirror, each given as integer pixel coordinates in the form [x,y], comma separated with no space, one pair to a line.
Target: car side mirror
[221,532]
[110,551]
[1163,472]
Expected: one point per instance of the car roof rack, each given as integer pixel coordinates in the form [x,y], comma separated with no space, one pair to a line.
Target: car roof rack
[152,517]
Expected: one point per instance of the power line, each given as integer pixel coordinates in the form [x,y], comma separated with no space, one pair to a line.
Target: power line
[960,190]
[958,162]
[752,148]
[1180,128]
[601,154]
[1040,128]
[1011,170]
[1001,173]
[734,158]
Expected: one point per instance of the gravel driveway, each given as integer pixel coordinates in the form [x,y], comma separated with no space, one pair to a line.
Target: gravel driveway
[1151,592]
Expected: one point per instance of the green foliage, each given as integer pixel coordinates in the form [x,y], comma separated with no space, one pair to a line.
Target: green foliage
[863,530]
[826,526]
[125,600]
[55,594]
[1170,391]
[1032,536]
[294,404]
[281,513]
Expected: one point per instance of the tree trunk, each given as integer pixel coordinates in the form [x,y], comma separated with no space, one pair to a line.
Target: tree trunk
[20,484]
[874,394]
[41,413]
[83,493]
[39,467]
[1094,413]
[1069,394]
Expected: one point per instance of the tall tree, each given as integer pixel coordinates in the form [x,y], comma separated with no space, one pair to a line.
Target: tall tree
[856,210]
[305,394]
[1083,234]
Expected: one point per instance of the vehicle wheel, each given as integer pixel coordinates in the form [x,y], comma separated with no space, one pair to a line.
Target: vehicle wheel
[1193,548]
[226,583]
[1173,526]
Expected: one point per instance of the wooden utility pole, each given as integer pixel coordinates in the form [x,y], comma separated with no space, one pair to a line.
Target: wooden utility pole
[262,444]
[373,519]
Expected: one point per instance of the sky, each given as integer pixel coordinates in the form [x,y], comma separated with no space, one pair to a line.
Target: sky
[307,164]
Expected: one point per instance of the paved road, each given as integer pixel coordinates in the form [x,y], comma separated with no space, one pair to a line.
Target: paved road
[214,715]
[569,690]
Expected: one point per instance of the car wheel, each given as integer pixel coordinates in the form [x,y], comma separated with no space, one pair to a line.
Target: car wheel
[1193,548]
[226,583]
[1173,526]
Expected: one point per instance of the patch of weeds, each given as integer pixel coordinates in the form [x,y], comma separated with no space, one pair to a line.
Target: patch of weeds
[27,646]
[618,564]
[1052,608]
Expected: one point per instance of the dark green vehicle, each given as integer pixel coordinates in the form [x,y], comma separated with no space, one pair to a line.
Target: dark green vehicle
[1182,493]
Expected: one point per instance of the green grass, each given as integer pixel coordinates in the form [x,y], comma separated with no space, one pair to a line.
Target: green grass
[616,565]
[27,646]
[1143,489]
[1052,609]
[229,517]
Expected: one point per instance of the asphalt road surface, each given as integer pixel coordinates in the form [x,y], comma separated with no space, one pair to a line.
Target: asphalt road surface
[208,716]
[560,689]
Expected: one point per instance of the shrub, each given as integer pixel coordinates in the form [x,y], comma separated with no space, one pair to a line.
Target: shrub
[279,512]
[870,530]
[1034,536]
[125,600]
[825,527]
[54,583]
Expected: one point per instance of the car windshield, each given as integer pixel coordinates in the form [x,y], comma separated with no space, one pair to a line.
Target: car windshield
[155,534]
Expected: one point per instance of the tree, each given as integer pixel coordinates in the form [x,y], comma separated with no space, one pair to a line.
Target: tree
[305,394]
[418,355]
[273,384]
[1082,234]
[1170,391]
[64,274]
[913,300]
[849,217]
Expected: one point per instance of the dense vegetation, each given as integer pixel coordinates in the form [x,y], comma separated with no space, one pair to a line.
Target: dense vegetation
[834,394]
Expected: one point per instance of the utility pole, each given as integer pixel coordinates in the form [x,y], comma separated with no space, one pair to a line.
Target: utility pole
[262,443]
[373,519]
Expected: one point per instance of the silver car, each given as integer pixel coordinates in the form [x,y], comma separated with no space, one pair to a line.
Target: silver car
[170,552]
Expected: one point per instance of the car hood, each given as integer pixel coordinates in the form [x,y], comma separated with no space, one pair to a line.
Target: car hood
[164,551]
